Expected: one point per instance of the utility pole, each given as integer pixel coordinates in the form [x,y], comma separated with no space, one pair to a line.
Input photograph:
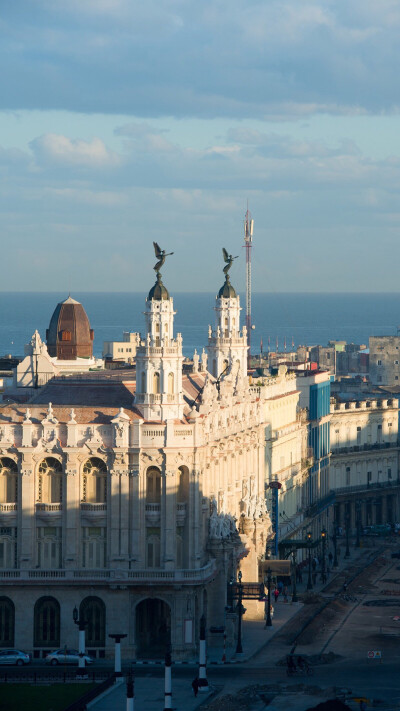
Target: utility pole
[248,239]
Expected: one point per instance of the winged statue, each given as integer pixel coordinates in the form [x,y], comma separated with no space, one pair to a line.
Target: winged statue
[161,255]
[228,259]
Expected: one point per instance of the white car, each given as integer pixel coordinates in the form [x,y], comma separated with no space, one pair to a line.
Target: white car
[14,656]
[66,656]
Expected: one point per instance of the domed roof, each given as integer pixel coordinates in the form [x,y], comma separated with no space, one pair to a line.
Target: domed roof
[158,292]
[69,335]
[227,291]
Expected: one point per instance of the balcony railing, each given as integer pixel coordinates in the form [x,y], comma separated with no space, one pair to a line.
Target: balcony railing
[364,447]
[49,508]
[130,577]
[372,486]
[8,507]
[94,507]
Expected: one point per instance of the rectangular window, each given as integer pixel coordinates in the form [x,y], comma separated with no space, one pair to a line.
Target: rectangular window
[396,362]
[358,435]
[389,473]
[347,476]
[379,362]
[369,477]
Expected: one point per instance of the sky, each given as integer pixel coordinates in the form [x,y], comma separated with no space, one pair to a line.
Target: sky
[124,123]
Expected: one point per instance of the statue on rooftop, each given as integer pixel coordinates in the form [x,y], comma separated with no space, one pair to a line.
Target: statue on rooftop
[161,255]
[228,258]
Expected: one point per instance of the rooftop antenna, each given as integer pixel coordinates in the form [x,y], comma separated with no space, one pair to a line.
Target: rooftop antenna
[248,239]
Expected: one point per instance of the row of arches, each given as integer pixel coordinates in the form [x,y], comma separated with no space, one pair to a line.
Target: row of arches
[50,481]
[156,383]
[152,617]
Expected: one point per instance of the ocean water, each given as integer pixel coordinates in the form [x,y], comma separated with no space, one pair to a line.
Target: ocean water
[304,318]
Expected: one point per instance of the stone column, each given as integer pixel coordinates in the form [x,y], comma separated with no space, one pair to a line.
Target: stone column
[71,531]
[26,512]
[169,527]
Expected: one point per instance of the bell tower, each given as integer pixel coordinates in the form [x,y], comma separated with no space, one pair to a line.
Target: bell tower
[159,359]
[227,345]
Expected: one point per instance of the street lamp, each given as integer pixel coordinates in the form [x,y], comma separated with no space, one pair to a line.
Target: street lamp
[323,571]
[358,523]
[239,649]
[309,539]
[334,540]
[268,619]
[79,620]
[294,594]
[347,554]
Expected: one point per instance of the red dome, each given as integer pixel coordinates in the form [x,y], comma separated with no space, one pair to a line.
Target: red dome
[69,335]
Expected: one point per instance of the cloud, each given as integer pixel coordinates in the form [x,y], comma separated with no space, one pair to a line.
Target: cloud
[236,58]
[54,148]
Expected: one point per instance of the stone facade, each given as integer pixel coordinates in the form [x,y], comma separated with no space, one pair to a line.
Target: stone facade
[384,360]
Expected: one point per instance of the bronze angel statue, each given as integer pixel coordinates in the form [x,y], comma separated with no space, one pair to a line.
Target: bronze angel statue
[228,259]
[161,255]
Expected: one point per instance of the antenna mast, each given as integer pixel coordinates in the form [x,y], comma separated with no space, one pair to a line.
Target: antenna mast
[248,239]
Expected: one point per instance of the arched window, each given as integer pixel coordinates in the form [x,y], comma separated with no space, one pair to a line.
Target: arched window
[50,481]
[153,551]
[156,383]
[93,610]
[183,485]
[153,486]
[7,622]
[46,623]
[8,481]
[171,383]
[94,482]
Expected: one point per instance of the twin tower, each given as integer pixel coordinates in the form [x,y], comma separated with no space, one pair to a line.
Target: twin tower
[159,391]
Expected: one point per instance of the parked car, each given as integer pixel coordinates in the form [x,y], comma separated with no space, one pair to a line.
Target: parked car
[14,656]
[66,656]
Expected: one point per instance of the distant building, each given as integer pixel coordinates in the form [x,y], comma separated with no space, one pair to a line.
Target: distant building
[384,360]
[124,350]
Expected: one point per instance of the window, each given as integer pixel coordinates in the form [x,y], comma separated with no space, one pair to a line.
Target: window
[7,621]
[153,550]
[396,362]
[8,481]
[379,362]
[8,547]
[93,610]
[379,433]
[46,623]
[396,377]
[49,547]
[94,481]
[156,382]
[153,486]
[93,547]
[347,476]
[358,435]
[50,481]
[389,473]
[379,378]
[369,477]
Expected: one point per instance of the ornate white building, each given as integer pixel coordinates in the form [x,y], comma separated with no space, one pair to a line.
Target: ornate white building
[136,499]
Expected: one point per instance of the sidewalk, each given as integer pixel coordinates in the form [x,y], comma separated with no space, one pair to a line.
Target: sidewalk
[149,696]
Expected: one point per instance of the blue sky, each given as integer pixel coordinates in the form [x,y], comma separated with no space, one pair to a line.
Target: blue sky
[123,122]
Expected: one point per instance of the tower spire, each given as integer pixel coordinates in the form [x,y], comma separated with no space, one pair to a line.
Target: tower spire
[248,239]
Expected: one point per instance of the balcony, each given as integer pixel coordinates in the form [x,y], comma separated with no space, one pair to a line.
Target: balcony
[364,447]
[153,514]
[104,576]
[5,508]
[51,509]
[94,508]
[366,488]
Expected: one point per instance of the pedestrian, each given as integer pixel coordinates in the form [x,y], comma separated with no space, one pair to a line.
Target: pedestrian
[314,564]
[285,594]
[276,595]
[280,587]
[363,705]
[345,586]
[330,556]
[195,686]
[300,575]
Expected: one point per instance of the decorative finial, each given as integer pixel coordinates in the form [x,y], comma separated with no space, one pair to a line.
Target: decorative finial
[72,417]
[161,255]
[27,415]
[228,258]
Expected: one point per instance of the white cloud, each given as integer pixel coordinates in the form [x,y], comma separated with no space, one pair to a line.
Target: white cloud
[55,148]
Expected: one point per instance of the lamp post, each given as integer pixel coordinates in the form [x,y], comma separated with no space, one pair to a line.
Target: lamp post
[334,540]
[347,553]
[81,622]
[168,680]
[323,571]
[268,619]
[130,692]
[358,523]
[294,594]
[309,583]
[203,683]
[117,663]
[239,649]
